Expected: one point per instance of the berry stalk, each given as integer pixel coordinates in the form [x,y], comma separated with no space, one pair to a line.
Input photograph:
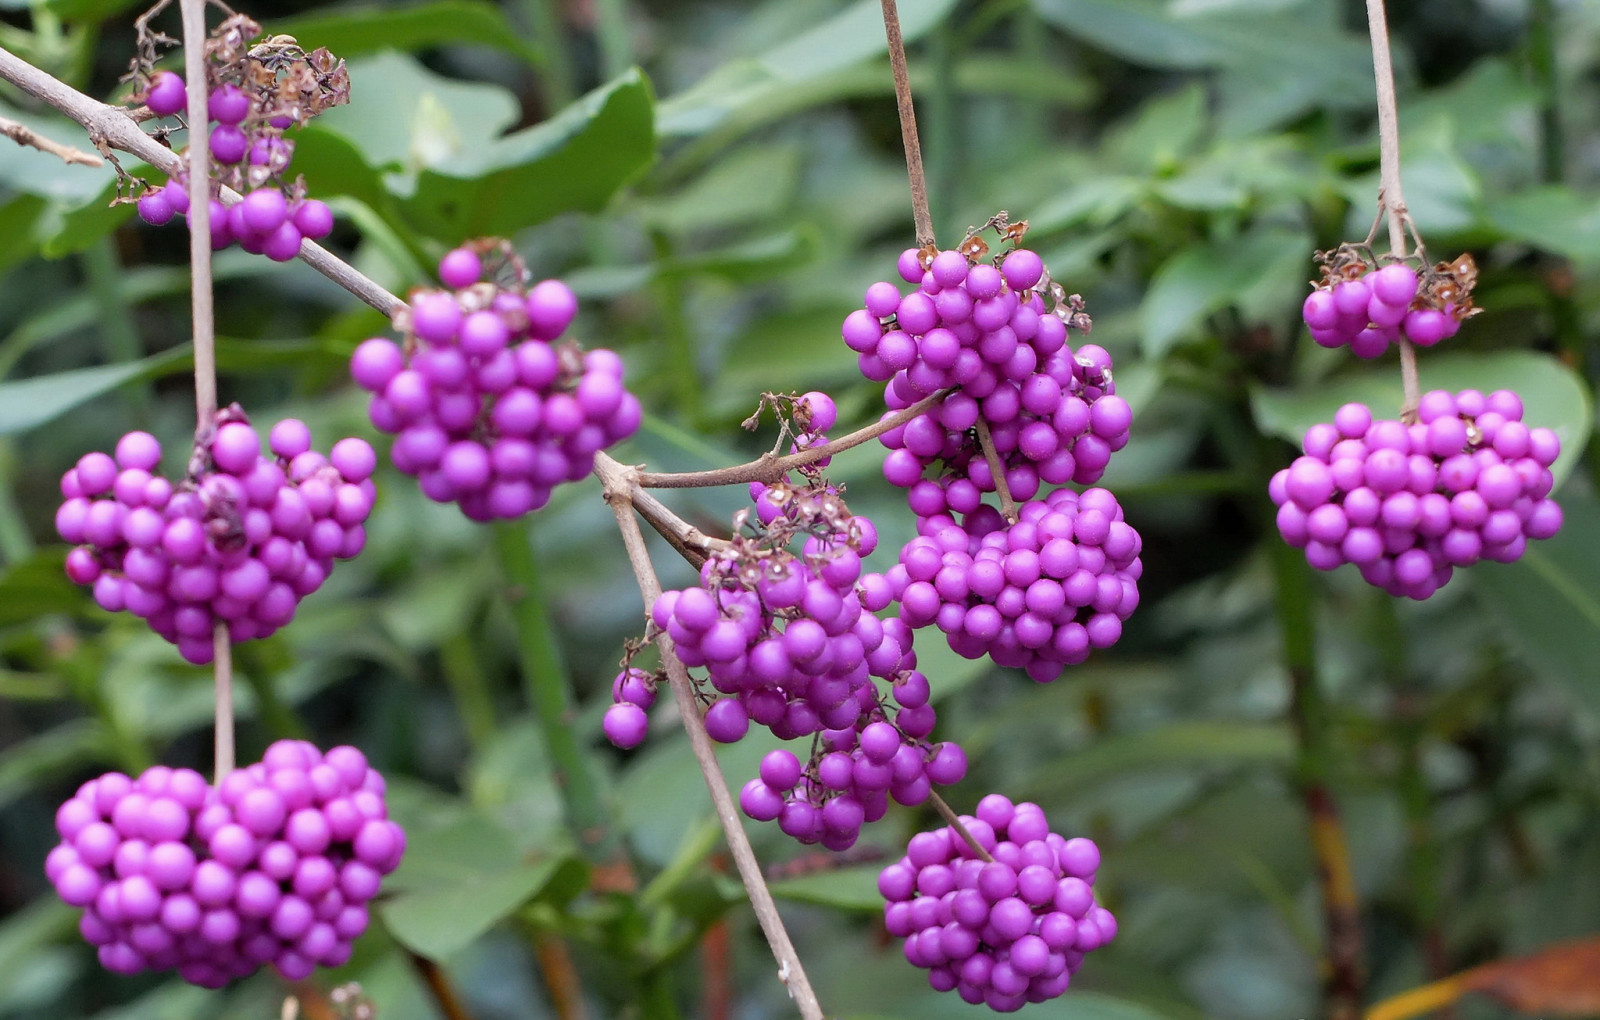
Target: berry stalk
[618,484]
[908,125]
[1389,194]
[954,821]
[204,326]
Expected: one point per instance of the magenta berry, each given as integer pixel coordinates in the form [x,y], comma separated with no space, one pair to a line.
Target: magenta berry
[165,95]
[487,412]
[1407,505]
[169,878]
[239,545]
[1006,931]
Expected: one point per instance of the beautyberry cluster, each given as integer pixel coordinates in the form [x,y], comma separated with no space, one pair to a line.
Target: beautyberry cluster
[632,693]
[791,641]
[240,540]
[254,93]
[1037,594]
[1005,931]
[1368,309]
[276,865]
[1408,503]
[488,410]
[987,331]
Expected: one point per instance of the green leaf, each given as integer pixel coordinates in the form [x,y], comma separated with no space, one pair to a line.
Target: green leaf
[18,221]
[333,166]
[818,55]
[573,162]
[35,172]
[1553,218]
[37,586]
[1188,745]
[1547,604]
[356,31]
[28,403]
[39,758]
[393,117]
[1553,395]
[844,888]
[458,881]
[1203,279]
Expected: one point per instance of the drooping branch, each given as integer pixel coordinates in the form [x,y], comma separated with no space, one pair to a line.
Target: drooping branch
[768,468]
[112,127]
[619,485]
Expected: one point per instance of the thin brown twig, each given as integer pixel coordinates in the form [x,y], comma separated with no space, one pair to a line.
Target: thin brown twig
[908,125]
[440,987]
[690,542]
[112,127]
[22,134]
[1390,195]
[954,821]
[768,468]
[561,979]
[619,483]
[1008,506]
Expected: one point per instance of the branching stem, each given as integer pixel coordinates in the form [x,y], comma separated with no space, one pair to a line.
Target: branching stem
[768,468]
[24,135]
[619,485]
[1390,195]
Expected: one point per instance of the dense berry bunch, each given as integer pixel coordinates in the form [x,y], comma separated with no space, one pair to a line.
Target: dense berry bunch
[1038,594]
[853,771]
[240,540]
[1368,309]
[1006,931]
[254,93]
[997,335]
[790,641]
[277,865]
[1408,503]
[487,409]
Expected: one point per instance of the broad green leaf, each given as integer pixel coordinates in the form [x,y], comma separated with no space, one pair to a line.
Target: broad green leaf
[1556,219]
[35,962]
[854,889]
[28,403]
[394,112]
[44,756]
[356,31]
[1161,133]
[37,586]
[459,881]
[573,162]
[1551,393]
[1205,278]
[1547,604]
[749,185]
[1188,744]
[818,55]
[69,229]
[18,222]
[334,166]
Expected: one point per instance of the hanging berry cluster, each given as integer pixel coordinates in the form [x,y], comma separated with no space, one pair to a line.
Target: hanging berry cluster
[1458,477]
[489,408]
[257,89]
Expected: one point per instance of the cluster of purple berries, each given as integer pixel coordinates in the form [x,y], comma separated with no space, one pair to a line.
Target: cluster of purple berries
[1005,931]
[854,771]
[1038,594]
[1408,503]
[487,410]
[240,541]
[276,865]
[984,330]
[791,642]
[1367,311]
[267,221]
[633,692]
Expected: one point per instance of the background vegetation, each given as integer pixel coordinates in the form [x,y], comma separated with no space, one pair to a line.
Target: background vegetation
[720,181]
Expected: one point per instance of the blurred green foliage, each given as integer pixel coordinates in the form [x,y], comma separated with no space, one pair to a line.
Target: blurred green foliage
[720,207]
